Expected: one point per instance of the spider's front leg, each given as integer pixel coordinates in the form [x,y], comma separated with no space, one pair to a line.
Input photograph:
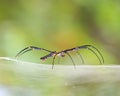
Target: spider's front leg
[30,48]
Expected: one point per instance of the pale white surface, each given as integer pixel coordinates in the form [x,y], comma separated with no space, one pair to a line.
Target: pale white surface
[82,74]
[4,91]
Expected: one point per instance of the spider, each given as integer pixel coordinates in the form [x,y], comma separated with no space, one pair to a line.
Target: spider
[64,52]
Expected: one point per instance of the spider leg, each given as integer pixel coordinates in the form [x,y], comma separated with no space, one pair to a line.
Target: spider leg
[53,61]
[65,52]
[99,53]
[29,49]
[89,48]
[95,54]
[51,54]
[71,59]
[81,57]
[23,51]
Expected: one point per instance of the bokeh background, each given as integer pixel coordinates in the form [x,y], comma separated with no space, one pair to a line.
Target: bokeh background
[60,24]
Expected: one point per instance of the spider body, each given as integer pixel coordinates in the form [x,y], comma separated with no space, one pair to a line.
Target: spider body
[53,54]
[49,55]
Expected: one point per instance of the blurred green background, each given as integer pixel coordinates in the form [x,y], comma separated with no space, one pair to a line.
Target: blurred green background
[57,25]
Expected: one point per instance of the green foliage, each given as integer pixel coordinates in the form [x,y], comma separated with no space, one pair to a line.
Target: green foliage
[57,25]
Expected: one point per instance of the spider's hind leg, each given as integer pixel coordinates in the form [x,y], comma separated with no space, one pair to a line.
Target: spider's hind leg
[93,49]
[83,62]
[90,47]
[71,59]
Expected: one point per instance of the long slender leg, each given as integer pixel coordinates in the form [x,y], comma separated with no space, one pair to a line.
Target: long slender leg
[96,55]
[81,57]
[71,59]
[29,49]
[89,48]
[23,51]
[53,61]
[99,53]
